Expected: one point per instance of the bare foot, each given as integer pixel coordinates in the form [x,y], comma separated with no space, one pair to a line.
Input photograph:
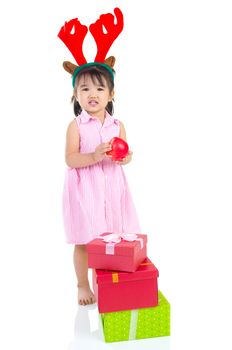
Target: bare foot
[85,296]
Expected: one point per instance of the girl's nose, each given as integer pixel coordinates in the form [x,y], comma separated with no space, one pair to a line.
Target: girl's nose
[93,94]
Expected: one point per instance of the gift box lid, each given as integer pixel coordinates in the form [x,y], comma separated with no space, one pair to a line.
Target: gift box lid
[98,246]
[146,270]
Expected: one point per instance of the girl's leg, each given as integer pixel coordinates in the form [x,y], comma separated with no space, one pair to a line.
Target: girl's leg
[80,259]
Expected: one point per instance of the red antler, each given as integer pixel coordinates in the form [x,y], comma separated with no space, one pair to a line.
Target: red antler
[104,41]
[74,41]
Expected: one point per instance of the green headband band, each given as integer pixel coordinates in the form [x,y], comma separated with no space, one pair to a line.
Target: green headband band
[79,68]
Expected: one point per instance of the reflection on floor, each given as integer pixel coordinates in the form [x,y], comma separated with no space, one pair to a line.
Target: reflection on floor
[88,331]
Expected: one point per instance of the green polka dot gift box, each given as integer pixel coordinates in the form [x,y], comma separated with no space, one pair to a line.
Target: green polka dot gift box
[137,324]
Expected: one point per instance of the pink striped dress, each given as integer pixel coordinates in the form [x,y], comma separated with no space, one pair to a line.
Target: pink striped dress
[96,198]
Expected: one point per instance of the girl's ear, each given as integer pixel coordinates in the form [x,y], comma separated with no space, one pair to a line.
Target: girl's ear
[111,96]
[75,94]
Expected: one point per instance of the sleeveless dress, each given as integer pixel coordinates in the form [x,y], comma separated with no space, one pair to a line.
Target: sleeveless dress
[96,198]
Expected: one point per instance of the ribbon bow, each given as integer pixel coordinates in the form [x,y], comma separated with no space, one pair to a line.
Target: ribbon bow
[113,238]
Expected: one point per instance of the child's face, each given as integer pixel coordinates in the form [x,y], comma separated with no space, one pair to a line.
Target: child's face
[92,96]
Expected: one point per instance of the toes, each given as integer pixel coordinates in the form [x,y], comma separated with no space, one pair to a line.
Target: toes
[89,301]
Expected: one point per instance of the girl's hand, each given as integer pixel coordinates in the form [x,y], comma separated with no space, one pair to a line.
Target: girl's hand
[100,151]
[125,160]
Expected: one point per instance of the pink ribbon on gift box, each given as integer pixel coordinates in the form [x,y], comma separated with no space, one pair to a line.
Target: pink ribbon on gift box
[113,238]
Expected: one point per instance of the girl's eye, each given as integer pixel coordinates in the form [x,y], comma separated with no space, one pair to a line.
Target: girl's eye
[100,89]
[85,89]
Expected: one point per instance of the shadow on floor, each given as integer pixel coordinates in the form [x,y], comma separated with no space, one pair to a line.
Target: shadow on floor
[88,332]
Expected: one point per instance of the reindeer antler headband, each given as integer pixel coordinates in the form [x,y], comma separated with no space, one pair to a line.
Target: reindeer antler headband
[74,41]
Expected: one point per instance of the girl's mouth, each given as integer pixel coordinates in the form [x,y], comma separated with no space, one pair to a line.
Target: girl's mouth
[93,103]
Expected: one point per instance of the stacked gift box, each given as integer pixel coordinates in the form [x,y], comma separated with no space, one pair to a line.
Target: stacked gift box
[125,283]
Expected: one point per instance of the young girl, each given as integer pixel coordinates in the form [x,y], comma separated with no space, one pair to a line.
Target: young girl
[96,195]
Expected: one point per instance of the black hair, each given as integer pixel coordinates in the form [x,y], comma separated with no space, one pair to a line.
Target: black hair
[95,72]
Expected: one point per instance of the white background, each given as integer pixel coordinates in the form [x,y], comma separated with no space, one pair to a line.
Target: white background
[173,93]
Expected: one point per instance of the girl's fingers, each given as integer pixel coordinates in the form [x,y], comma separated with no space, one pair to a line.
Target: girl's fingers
[106,144]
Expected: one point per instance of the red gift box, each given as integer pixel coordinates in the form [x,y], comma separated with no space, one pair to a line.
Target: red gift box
[123,252]
[117,291]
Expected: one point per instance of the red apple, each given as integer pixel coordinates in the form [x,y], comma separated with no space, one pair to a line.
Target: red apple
[119,149]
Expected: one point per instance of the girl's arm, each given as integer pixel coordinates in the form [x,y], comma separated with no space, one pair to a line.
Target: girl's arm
[122,135]
[73,157]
